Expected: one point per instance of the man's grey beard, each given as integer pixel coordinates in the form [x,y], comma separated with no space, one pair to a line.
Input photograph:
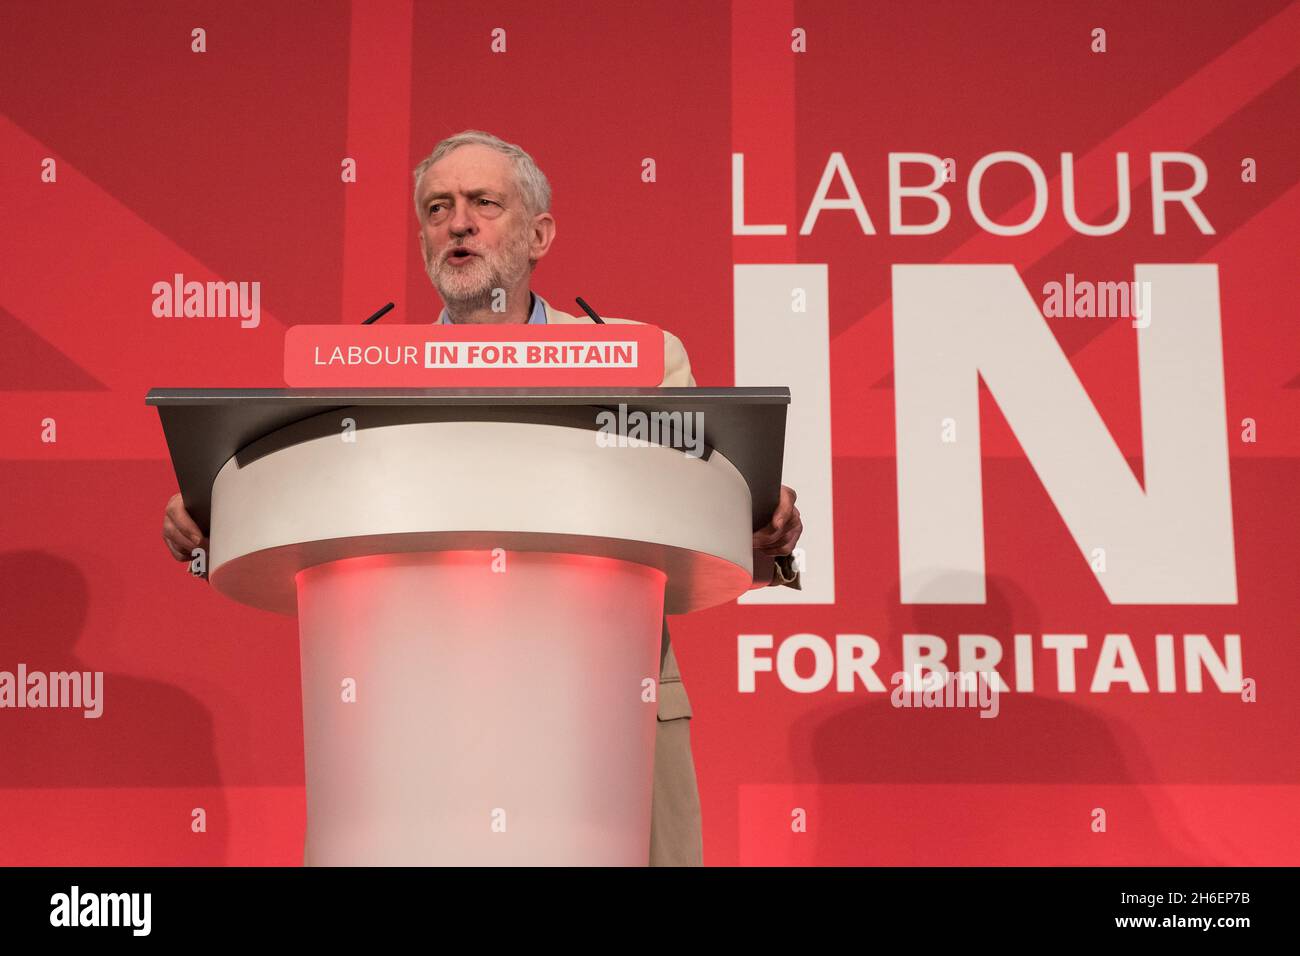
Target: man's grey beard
[499,270]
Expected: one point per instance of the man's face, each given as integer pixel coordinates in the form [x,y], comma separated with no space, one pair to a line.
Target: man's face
[476,233]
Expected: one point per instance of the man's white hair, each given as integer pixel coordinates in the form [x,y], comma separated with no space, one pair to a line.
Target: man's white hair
[532,182]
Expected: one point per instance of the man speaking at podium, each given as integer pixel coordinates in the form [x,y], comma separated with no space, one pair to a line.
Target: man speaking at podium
[484,211]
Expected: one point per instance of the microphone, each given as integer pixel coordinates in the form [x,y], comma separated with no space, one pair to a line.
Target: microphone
[590,311]
[378,315]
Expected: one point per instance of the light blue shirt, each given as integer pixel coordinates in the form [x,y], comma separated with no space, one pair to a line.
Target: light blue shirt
[535,317]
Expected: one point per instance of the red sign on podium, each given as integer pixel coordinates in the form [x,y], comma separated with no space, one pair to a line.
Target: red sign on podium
[469,356]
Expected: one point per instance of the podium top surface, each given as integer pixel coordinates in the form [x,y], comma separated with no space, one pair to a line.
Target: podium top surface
[206,427]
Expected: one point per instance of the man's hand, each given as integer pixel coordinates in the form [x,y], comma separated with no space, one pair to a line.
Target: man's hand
[782,532]
[179,532]
[779,537]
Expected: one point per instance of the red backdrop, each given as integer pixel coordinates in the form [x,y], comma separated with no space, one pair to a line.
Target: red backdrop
[226,165]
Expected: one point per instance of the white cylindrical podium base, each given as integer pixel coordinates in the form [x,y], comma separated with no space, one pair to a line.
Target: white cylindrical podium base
[479,708]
